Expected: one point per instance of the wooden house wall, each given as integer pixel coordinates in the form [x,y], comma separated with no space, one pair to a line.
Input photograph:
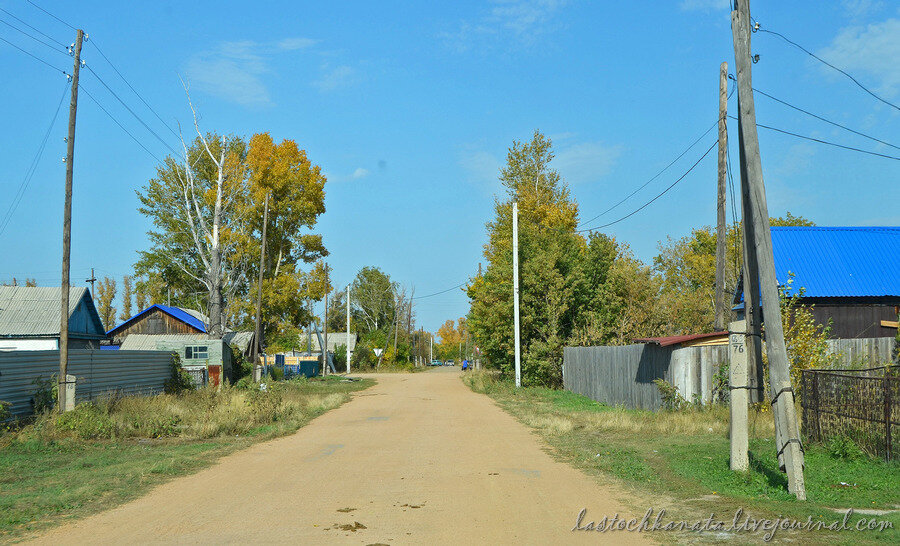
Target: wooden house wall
[856,321]
[155,322]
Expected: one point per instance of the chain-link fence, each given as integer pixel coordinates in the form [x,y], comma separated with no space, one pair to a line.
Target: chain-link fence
[860,405]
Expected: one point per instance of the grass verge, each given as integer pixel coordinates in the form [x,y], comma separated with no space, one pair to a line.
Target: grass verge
[680,461]
[102,454]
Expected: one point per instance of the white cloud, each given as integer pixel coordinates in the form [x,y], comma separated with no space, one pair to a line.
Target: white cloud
[858,9]
[481,165]
[705,5]
[586,162]
[341,76]
[872,50]
[519,20]
[234,70]
[360,173]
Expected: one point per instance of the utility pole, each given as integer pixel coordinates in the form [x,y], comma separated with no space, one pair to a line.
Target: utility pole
[349,354]
[720,201]
[788,434]
[254,356]
[92,280]
[515,257]
[64,403]
[325,327]
[430,348]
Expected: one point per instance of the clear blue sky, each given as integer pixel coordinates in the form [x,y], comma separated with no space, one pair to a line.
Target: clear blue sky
[409,108]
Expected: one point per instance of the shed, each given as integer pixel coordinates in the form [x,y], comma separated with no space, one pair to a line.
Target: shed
[849,275]
[197,351]
[30,321]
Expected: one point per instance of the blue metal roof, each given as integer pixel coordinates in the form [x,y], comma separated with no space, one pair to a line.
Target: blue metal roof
[838,262]
[175,312]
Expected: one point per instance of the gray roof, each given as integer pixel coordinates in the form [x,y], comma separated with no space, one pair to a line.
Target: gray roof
[240,340]
[33,311]
[149,342]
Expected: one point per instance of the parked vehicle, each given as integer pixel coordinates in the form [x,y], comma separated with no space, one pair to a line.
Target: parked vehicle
[435,363]
[449,363]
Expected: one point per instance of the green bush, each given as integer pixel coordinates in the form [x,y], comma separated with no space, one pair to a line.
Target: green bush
[180,381]
[843,447]
[45,394]
[672,399]
[87,421]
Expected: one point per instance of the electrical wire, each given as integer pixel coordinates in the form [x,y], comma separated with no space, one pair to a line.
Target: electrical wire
[29,173]
[133,113]
[439,293]
[648,203]
[51,15]
[33,56]
[94,44]
[826,63]
[35,38]
[820,118]
[127,132]
[51,38]
[820,141]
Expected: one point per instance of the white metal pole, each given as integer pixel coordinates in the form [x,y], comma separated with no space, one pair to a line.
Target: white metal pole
[349,354]
[431,349]
[515,237]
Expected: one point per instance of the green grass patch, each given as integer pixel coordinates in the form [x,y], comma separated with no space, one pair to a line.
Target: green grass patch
[681,460]
[103,454]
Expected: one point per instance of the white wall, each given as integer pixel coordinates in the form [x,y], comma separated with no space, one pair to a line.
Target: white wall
[29,344]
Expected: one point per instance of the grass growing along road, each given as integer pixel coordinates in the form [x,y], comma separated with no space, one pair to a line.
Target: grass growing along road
[679,460]
[101,455]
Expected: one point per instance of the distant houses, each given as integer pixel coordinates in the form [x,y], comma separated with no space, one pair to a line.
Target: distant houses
[849,275]
[30,319]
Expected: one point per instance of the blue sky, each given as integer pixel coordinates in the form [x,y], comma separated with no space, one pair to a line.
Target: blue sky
[409,109]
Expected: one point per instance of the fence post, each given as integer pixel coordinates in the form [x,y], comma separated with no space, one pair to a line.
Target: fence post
[887,413]
[815,377]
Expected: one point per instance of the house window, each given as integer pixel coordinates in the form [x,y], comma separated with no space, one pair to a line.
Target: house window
[199,352]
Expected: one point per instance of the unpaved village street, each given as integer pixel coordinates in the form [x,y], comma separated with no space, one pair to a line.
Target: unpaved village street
[417,459]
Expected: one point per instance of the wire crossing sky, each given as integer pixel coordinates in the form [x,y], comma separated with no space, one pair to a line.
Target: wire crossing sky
[409,108]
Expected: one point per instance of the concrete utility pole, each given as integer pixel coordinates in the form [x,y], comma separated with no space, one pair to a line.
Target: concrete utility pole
[65,404]
[349,353]
[788,437]
[431,348]
[254,356]
[738,383]
[720,201]
[324,347]
[515,257]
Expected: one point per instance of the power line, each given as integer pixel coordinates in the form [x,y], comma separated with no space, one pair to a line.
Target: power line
[33,56]
[51,15]
[820,141]
[29,173]
[51,38]
[133,113]
[664,169]
[36,39]
[94,43]
[844,127]
[756,28]
[648,203]
[441,292]
[127,132]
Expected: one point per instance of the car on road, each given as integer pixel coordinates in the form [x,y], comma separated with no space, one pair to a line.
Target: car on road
[449,363]
[436,363]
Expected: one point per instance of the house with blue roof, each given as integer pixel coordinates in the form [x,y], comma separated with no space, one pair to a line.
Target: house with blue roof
[849,275]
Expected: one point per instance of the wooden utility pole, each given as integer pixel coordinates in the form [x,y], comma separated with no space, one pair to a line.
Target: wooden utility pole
[92,280]
[254,356]
[64,404]
[779,374]
[720,201]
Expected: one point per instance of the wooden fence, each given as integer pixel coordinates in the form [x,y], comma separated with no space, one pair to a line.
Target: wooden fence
[624,375]
[862,352]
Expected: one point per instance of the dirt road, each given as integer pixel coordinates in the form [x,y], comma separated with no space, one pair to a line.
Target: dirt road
[417,459]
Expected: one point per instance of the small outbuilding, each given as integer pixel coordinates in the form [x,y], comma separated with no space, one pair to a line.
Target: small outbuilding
[30,321]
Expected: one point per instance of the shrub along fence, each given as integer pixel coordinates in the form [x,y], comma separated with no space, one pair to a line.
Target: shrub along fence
[97,373]
[624,375]
[862,405]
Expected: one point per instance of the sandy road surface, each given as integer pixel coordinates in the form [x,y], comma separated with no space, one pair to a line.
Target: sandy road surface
[416,459]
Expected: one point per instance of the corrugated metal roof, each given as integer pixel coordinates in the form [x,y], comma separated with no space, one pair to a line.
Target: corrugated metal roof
[188,316]
[675,340]
[34,310]
[149,342]
[830,262]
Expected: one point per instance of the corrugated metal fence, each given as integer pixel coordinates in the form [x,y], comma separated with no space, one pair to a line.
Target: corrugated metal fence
[97,373]
[863,352]
[624,375]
